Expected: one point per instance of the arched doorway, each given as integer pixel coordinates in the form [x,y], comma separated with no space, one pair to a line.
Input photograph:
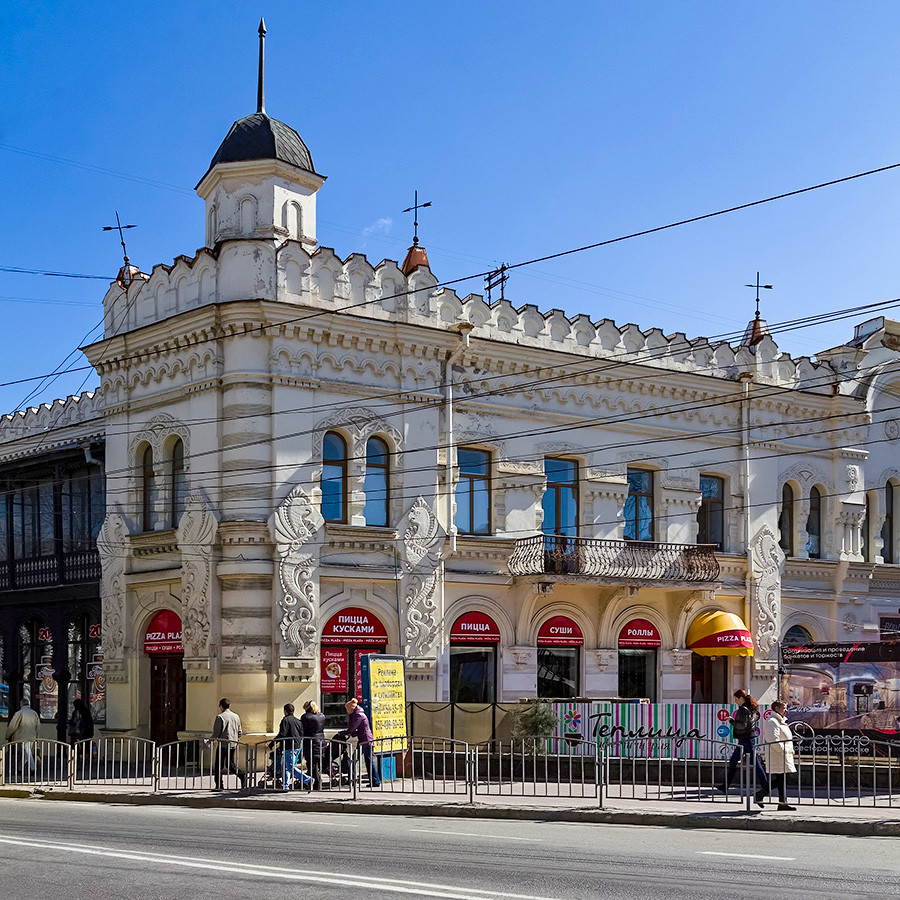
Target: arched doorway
[162,644]
[474,639]
[347,636]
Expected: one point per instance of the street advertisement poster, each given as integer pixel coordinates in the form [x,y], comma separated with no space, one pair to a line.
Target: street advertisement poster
[334,670]
[664,730]
[849,688]
[384,699]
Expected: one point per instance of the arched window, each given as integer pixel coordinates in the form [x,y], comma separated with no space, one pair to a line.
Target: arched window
[334,478]
[786,521]
[213,226]
[814,525]
[148,489]
[796,636]
[887,530]
[377,482]
[866,548]
[248,216]
[177,483]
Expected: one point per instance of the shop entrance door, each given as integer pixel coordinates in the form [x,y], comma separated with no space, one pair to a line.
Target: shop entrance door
[167,697]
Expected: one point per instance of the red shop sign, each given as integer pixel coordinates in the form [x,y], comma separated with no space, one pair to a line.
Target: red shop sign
[334,670]
[354,626]
[475,628]
[639,633]
[164,633]
[560,631]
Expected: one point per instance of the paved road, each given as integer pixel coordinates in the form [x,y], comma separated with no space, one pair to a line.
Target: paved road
[71,851]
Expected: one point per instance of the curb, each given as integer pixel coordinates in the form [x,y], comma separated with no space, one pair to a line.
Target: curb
[732,821]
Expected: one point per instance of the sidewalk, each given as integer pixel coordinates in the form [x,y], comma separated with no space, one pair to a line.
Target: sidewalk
[811,819]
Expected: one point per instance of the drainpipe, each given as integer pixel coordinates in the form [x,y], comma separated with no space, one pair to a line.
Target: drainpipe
[89,458]
[463,329]
[746,380]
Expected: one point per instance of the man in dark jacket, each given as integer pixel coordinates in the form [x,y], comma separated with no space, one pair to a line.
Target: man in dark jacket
[358,727]
[287,749]
[314,744]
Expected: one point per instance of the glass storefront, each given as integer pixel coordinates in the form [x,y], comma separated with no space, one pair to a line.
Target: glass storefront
[474,638]
[559,643]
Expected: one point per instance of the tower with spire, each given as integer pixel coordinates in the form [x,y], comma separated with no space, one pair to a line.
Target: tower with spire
[261,182]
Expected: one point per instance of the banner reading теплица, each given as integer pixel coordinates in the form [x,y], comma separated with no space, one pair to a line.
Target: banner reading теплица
[384,700]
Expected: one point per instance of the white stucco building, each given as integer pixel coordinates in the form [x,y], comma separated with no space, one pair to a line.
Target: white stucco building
[307,458]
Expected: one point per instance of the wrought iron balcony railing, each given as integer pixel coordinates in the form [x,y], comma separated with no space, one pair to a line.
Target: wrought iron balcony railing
[73,567]
[609,559]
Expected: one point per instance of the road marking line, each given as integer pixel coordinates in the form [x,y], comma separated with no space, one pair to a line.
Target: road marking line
[499,837]
[746,855]
[397,886]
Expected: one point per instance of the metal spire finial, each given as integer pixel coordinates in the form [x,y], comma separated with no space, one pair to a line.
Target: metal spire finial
[414,209]
[260,89]
[765,287]
[120,228]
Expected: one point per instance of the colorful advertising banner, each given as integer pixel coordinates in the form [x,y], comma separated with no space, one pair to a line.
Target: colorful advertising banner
[677,730]
[384,698]
[845,688]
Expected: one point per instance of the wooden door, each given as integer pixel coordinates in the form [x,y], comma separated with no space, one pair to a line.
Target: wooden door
[167,698]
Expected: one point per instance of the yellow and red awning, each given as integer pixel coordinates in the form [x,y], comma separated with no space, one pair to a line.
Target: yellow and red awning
[719,633]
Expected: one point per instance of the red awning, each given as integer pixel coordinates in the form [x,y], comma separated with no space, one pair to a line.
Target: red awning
[353,625]
[560,631]
[163,634]
[475,628]
[639,633]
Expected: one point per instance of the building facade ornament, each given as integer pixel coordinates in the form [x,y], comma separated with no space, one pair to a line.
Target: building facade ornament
[197,542]
[294,525]
[112,548]
[422,538]
[765,591]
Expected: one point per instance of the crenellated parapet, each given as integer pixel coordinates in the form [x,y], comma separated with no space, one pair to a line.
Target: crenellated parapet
[78,417]
[250,269]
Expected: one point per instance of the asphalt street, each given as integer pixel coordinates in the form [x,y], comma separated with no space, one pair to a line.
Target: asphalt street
[74,850]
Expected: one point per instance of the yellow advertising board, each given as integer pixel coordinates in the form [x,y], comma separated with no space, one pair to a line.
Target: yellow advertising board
[385,692]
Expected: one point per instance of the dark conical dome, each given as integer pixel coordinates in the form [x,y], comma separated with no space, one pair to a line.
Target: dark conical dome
[261,137]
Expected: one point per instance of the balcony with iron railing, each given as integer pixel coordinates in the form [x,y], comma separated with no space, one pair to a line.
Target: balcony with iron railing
[70,567]
[614,562]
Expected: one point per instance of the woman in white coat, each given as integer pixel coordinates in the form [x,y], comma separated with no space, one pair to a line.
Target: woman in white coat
[779,740]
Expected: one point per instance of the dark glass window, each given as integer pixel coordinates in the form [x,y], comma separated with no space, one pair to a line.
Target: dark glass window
[473,491]
[557,672]
[797,636]
[637,673]
[83,508]
[709,679]
[86,679]
[711,515]
[4,526]
[786,521]
[38,679]
[377,482]
[814,524]
[560,500]
[4,687]
[866,528]
[639,506]
[887,529]
[148,489]
[473,673]
[334,478]
[33,526]
[177,484]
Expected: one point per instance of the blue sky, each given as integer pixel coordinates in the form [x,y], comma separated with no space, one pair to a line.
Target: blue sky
[532,128]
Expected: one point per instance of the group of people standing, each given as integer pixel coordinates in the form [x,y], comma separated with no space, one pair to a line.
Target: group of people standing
[296,737]
[778,738]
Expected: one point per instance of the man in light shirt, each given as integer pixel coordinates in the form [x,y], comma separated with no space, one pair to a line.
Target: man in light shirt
[23,729]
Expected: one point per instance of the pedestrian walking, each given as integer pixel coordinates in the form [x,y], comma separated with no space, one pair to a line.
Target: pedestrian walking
[226,734]
[314,743]
[779,751]
[288,742]
[81,722]
[743,730]
[358,726]
[23,729]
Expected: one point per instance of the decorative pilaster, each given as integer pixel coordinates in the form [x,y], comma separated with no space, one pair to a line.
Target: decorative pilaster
[422,536]
[767,560]
[112,548]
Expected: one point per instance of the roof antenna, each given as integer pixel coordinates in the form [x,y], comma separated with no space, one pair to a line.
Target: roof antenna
[414,209]
[260,88]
